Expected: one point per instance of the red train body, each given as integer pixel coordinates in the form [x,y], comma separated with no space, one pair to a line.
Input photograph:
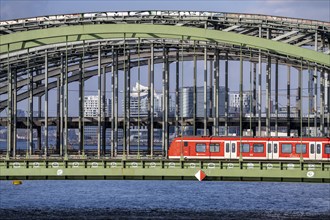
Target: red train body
[259,148]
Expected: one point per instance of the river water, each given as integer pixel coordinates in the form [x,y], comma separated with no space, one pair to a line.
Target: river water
[89,199]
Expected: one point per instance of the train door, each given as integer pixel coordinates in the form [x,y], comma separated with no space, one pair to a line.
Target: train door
[275,150]
[272,150]
[269,145]
[312,150]
[186,148]
[230,150]
[318,151]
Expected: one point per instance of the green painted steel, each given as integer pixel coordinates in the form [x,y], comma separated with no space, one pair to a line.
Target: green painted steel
[294,171]
[30,39]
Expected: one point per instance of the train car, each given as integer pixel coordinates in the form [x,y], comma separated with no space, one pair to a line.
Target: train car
[263,148]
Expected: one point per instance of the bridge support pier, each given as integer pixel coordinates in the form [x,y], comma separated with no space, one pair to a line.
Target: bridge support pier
[112,103]
[259,86]
[151,102]
[104,103]
[30,113]
[210,98]
[128,127]
[46,106]
[61,107]
[299,99]
[328,102]
[14,113]
[241,94]
[99,102]
[315,101]
[322,102]
[165,133]
[254,103]
[276,98]
[116,139]
[205,91]
[268,94]
[288,101]
[226,96]
[39,127]
[66,103]
[195,92]
[177,94]
[81,104]
[58,124]
[9,107]
[216,92]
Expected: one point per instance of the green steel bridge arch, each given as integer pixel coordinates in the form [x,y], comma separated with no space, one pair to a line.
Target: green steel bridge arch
[34,38]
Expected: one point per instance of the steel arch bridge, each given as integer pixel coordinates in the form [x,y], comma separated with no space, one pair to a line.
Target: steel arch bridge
[47,53]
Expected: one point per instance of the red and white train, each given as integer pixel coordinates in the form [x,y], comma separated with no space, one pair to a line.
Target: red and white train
[260,148]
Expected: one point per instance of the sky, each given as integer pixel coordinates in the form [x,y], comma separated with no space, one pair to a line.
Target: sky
[307,9]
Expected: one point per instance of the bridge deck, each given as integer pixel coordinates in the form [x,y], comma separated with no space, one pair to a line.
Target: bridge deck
[164,169]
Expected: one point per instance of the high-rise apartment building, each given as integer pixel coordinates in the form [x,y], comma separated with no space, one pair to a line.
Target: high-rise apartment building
[186,101]
[91,107]
[234,102]
[141,108]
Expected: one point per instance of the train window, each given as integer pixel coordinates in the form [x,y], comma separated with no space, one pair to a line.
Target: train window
[227,147]
[200,148]
[312,149]
[245,148]
[286,148]
[327,149]
[233,147]
[275,148]
[269,148]
[214,148]
[318,148]
[300,148]
[185,144]
[258,148]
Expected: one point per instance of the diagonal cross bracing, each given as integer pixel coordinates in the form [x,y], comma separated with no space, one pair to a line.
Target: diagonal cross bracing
[35,38]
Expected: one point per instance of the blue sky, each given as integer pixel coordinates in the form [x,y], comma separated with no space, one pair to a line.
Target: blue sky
[317,10]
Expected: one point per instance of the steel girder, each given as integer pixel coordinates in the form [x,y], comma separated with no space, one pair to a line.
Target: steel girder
[279,28]
[30,39]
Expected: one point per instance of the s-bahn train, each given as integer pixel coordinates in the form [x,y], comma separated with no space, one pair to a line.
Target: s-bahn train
[257,148]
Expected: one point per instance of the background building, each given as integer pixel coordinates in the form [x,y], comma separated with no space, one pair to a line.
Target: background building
[187,101]
[234,102]
[91,109]
[134,102]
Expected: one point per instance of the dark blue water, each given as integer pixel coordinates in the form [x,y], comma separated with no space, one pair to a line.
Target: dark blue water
[163,200]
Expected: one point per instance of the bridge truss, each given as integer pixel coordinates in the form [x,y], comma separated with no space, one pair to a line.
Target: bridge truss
[47,53]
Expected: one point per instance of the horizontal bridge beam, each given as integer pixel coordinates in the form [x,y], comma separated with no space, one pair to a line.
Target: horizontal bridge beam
[34,38]
[294,171]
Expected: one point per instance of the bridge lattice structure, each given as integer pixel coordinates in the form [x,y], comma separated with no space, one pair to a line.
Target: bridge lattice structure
[47,53]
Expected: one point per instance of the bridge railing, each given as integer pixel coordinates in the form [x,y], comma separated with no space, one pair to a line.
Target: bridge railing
[153,14]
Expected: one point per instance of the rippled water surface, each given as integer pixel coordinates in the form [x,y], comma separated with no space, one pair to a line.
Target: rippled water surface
[163,200]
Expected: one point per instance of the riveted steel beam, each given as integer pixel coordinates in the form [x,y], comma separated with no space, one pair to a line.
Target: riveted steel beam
[30,39]
[215,170]
[46,106]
